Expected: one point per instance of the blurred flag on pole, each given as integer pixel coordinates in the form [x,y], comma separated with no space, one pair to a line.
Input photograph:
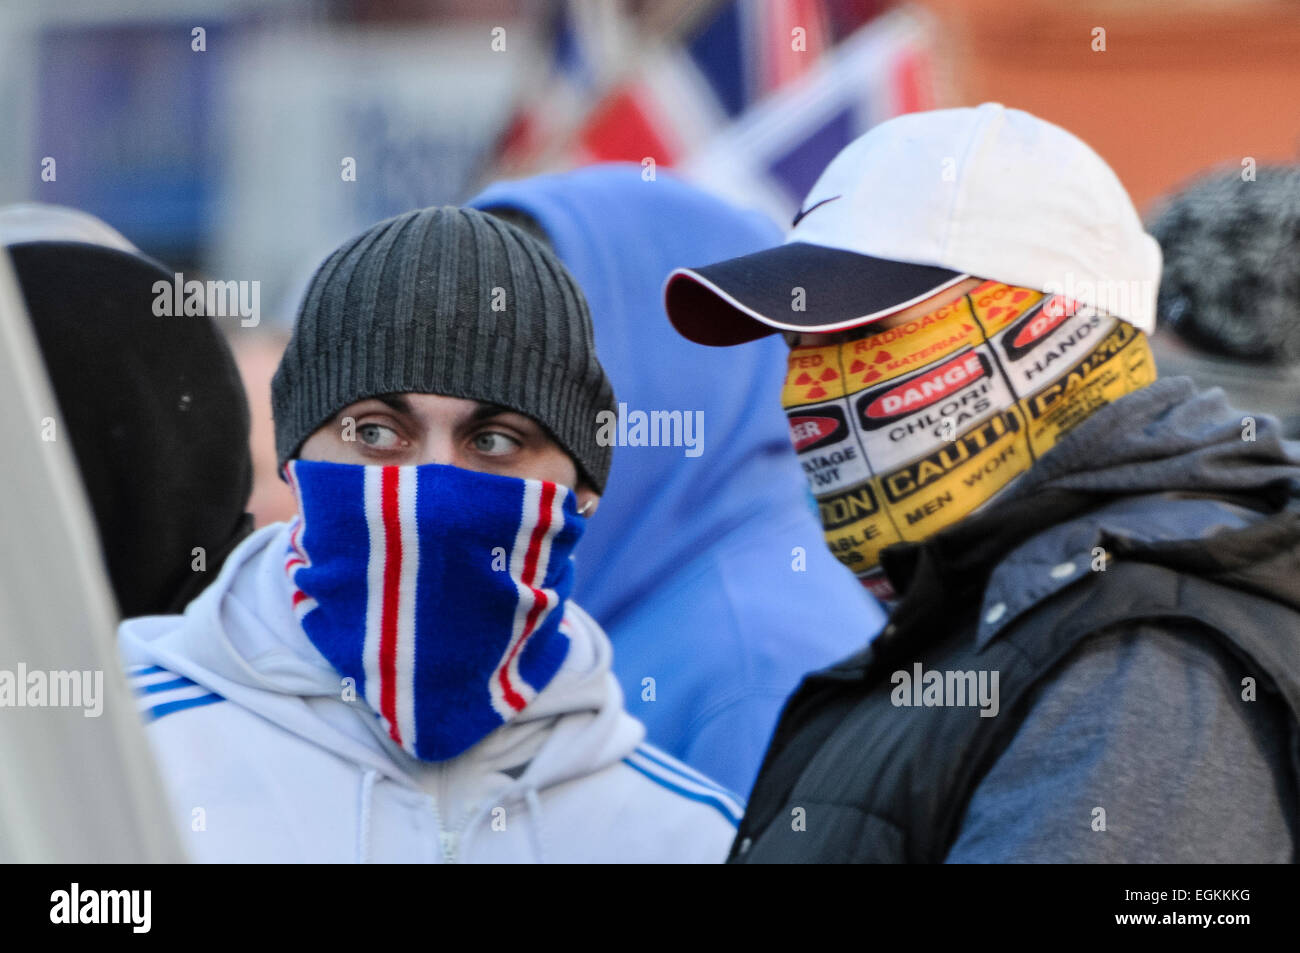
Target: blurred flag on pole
[752,100]
[584,50]
[663,112]
[774,152]
[748,50]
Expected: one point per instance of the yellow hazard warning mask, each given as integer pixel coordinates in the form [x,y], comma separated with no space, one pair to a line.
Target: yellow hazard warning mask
[909,430]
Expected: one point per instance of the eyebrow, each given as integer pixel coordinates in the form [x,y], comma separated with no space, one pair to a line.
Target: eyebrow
[482,411]
[397,402]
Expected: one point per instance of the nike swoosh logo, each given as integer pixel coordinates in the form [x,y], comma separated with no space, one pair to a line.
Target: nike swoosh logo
[802,212]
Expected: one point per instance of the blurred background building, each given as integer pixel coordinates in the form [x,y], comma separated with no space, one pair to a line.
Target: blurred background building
[243,140]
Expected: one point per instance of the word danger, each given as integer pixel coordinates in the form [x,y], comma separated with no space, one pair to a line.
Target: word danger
[946,418]
[922,390]
[102,906]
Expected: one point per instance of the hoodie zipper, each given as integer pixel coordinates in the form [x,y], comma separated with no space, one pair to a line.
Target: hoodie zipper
[450,840]
[447,840]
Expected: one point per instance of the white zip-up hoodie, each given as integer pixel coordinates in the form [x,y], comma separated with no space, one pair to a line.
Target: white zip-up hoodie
[265,761]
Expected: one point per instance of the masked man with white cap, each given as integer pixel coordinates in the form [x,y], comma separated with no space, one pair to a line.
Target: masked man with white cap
[1091,654]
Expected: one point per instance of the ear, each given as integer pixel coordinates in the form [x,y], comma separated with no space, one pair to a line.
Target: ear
[588,500]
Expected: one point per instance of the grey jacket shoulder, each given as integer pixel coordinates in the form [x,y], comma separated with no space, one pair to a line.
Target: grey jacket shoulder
[1139,748]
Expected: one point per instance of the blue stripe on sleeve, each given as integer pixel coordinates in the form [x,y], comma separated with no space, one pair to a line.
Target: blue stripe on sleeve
[649,754]
[167,708]
[179,682]
[732,818]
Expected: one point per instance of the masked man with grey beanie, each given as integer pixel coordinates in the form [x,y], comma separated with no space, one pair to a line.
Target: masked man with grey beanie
[398,674]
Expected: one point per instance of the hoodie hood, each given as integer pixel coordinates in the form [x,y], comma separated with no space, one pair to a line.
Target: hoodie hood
[1149,477]
[1168,437]
[240,639]
[154,407]
[665,507]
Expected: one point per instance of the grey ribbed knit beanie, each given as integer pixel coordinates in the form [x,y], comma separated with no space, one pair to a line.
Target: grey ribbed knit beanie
[407,307]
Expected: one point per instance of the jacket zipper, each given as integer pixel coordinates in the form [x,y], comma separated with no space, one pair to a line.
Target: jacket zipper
[448,839]
[437,825]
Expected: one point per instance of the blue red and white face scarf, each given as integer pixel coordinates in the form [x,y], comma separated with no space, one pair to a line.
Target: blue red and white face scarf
[439,591]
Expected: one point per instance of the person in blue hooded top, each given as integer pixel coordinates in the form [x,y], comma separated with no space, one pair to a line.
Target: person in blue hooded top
[706,564]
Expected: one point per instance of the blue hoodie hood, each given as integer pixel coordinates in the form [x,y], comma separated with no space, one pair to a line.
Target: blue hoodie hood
[600,219]
[709,572]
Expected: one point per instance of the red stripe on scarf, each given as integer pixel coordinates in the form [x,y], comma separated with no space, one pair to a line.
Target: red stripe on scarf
[392,586]
[513,698]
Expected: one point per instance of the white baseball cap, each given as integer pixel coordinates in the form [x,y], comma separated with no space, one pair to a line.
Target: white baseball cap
[920,203]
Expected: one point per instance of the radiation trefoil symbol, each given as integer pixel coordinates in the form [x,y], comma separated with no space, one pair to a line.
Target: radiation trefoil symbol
[816,390]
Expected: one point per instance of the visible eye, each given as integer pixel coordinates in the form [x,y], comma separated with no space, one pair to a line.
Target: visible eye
[378,437]
[494,443]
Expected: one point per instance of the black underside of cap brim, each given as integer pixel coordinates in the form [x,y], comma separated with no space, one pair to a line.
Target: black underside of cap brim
[746,298]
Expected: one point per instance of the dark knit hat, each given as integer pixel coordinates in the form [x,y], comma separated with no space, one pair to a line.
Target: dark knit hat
[156,413]
[1231,282]
[408,307]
